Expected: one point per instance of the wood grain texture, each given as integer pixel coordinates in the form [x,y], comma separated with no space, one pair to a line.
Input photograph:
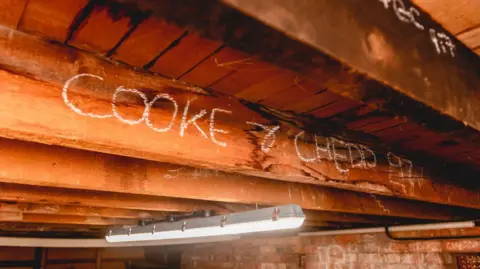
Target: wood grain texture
[62,219]
[51,18]
[93,171]
[188,52]
[455,15]
[61,196]
[11,12]
[147,41]
[219,65]
[101,30]
[48,120]
[73,210]
[471,38]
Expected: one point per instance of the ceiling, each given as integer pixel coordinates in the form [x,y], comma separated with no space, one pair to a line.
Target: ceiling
[71,168]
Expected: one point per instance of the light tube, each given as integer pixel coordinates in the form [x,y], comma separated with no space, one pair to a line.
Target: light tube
[261,220]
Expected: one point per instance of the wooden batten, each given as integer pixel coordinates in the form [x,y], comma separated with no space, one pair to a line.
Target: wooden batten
[60,196]
[86,211]
[62,219]
[231,136]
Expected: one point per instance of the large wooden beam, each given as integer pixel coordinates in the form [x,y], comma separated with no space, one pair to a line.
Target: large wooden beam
[59,196]
[62,219]
[42,165]
[76,210]
[387,54]
[185,125]
[44,200]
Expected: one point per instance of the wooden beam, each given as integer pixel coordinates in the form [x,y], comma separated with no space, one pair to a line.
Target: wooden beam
[76,210]
[42,165]
[62,219]
[336,217]
[58,196]
[233,137]
[141,209]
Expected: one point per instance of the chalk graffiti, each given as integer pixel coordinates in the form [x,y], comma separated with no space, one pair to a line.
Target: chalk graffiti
[399,163]
[72,106]
[174,115]
[213,130]
[193,120]
[266,147]
[344,155]
[441,41]
[114,105]
[333,257]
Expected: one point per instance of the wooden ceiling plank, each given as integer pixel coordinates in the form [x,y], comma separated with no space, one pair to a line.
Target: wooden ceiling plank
[294,93]
[319,100]
[148,39]
[471,38]
[216,67]
[78,210]
[248,72]
[51,18]
[102,29]
[11,12]
[334,108]
[50,119]
[191,50]
[94,171]
[455,15]
[262,90]
[378,126]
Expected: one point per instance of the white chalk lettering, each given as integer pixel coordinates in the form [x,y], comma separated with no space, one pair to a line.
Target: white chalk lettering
[442,42]
[72,106]
[373,163]
[361,162]
[299,154]
[174,115]
[192,120]
[114,105]
[213,130]
[266,147]
[337,155]
[324,150]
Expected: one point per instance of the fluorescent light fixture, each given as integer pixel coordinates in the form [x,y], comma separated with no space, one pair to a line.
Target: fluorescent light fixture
[261,220]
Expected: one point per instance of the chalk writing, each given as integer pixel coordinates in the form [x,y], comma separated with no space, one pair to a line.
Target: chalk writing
[174,115]
[299,154]
[397,163]
[269,136]
[114,105]
[345,155]
[72,106]
[441,41]
[333,257]
[213,130]
[192,120]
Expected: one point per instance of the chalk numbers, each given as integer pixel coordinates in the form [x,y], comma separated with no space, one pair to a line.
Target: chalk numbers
[442,43]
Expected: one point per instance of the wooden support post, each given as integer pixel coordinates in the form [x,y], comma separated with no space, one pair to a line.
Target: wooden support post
[173,122]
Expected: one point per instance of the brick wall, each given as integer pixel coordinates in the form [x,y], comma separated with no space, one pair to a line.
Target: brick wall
[369,251]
